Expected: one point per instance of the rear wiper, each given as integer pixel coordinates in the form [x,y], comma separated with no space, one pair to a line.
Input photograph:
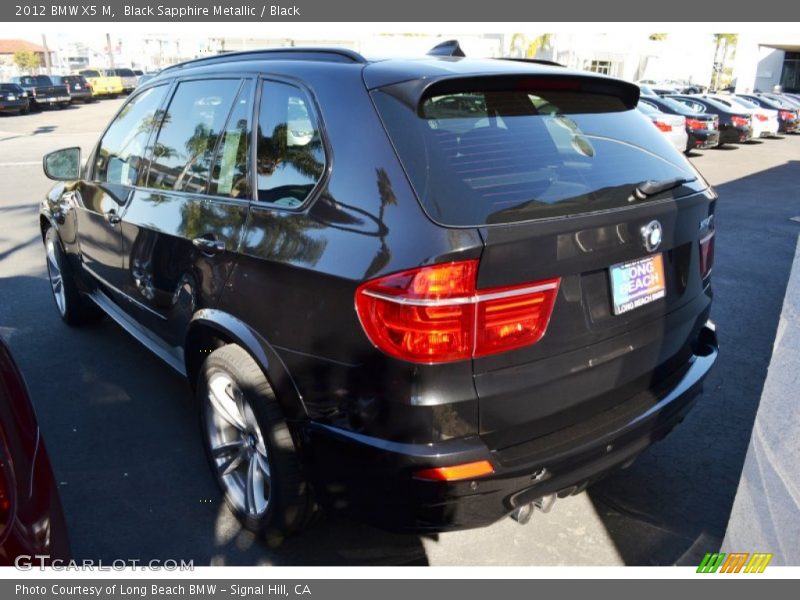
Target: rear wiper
[651,188]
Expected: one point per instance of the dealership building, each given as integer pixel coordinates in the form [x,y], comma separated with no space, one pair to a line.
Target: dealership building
[763,62]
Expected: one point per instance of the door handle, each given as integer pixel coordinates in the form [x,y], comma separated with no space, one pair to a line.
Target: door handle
[112,217]
[208,245]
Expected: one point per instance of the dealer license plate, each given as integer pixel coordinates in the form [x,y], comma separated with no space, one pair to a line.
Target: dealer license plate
[636,283]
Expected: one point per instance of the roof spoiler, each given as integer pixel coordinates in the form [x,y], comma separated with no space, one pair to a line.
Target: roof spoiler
[535,61]
[412,92]
[448,48]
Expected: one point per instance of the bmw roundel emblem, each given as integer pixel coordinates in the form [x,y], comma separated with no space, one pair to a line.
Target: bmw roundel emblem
[651,236]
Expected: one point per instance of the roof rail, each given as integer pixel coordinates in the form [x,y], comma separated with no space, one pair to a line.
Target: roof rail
[537,61]
[287,53]
[448,48]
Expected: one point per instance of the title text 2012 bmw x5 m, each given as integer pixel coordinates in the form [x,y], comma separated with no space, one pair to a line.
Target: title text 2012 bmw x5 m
[432,292]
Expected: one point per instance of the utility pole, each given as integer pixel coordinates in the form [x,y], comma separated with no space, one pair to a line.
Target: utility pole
[110,51]
[47,65]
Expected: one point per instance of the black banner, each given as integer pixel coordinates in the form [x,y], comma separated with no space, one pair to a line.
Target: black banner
[452,11]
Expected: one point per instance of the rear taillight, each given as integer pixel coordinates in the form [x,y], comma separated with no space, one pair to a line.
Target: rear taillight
[435,314]
[666,127]
[740,121]
[787,115]
[706,254]
[695,123]
[761,118]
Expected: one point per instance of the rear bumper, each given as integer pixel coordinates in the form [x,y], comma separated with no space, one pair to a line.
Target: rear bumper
[703,139]
[374,478]
[8,105]
[80,95]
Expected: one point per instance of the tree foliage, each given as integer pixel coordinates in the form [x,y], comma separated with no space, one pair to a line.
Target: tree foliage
[27,61]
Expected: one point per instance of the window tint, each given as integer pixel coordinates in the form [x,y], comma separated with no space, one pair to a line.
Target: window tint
[229,174]
[120,155]
[500,156]
[185,144]
[290,156]
[692,105]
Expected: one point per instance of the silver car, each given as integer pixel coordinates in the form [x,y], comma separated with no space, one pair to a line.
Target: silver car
[672,126]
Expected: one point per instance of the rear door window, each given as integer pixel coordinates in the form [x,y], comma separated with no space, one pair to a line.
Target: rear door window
[184,149]
[230,175]
[290,156]
[486,156]
[120,155]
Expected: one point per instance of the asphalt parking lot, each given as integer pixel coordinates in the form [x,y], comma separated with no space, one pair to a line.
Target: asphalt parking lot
[122,434]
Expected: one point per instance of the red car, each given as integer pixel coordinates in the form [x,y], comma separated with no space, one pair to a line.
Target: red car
[31,517]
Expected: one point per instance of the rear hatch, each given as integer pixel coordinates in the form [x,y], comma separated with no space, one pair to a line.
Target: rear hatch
[564,179]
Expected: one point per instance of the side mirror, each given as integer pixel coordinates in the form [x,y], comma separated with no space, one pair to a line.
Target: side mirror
[63,165]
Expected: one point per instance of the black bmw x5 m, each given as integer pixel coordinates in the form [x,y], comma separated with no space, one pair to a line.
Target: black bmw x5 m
[431,292]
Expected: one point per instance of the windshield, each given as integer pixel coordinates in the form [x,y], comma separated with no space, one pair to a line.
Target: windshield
[90,73]
[743,102]
[485,157]
[678,107]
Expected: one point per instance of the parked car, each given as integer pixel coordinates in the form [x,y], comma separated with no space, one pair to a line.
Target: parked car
[127,76]
[413,332]
[764,120]
[735,125]
[31,517]
[101,84]
[702,128]
[785,99]
[77,86]
[14,99]
[42,92]
[672,126]
[788,120]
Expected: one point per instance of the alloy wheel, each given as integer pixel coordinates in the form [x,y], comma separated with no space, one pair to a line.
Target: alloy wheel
[56,277]
[237,446]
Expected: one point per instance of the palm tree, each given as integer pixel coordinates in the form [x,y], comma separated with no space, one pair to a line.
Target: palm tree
[539,42]
[723,42]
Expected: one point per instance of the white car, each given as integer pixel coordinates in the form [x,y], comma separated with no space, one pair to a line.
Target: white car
[764,120]
[673,127]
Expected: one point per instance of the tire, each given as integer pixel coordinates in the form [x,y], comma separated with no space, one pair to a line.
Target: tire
[249,446]
[73,307]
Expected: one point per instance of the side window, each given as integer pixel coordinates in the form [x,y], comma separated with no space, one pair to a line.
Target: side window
[229,173]
[184,148]
[121,153]
[290,158]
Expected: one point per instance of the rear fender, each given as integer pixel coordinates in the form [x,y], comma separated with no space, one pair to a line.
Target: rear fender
[229,328]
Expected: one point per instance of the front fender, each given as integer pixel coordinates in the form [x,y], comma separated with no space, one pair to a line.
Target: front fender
[228,327]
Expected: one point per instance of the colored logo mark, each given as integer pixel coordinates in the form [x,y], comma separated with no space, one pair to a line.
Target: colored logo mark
[735,562]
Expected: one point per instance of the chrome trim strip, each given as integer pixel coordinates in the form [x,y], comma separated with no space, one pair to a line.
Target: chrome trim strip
[172,356]
[465,300]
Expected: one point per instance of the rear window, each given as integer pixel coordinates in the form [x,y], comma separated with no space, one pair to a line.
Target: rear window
[90,73]
[35,80]
[491,156]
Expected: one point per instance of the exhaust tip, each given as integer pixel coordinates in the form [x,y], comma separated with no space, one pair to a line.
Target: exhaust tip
[523,514]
